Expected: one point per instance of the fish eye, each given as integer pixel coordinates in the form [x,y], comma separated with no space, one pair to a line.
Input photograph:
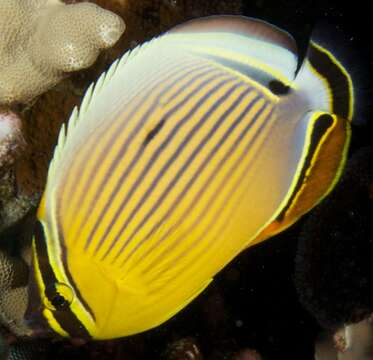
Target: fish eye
[278,88]
[59,302]
[58,297]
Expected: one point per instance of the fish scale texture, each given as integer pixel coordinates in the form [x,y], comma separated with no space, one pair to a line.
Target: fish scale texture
[43,40]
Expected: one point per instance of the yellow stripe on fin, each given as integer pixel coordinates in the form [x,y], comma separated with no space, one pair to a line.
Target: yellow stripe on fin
[325,153]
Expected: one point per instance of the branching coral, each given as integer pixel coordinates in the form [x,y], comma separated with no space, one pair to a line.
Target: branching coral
[42,40]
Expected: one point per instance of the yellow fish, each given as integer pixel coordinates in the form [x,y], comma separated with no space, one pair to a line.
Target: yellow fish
[191,148]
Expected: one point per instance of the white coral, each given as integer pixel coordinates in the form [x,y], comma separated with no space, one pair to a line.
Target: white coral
[42,40]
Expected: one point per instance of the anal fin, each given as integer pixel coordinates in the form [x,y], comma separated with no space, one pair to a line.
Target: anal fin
[324,155]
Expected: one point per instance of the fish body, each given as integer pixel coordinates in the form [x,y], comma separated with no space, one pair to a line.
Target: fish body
[191,148]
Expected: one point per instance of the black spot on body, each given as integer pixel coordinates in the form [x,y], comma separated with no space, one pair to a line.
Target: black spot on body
[152,133]
[278,87]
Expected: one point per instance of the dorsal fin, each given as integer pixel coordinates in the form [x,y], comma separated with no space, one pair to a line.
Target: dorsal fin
[253,47]
[253,28]
[256,30]
[78,114]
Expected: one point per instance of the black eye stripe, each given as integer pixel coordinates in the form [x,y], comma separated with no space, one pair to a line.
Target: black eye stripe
[65,317]
[43,260]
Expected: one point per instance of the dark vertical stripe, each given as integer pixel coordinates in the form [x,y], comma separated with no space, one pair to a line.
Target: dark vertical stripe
[200,256]
[337,80]
[207,160]
[193,202]
[62,244]
[174,156]
[139,152]
[217,215]
[149,91]
[122,151]
[65,318]
[104,149]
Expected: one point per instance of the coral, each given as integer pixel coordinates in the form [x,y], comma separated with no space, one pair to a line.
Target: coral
[348,343]
[185,348]
[247,355]
[13,293]
[43,40]
[35,350]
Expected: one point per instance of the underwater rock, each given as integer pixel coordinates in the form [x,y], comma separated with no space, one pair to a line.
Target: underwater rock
[359,338]
[335,255]
[13,203]
[247,355]
[184,349]
[45,40]
[352,342]
[28,350]
[3,349]
[11,138]
[13,294]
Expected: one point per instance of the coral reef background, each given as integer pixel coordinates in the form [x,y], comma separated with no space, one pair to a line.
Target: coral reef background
[267,303]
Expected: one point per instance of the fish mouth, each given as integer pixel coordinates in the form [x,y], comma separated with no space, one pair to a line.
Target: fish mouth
[36,322]
[33,317]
